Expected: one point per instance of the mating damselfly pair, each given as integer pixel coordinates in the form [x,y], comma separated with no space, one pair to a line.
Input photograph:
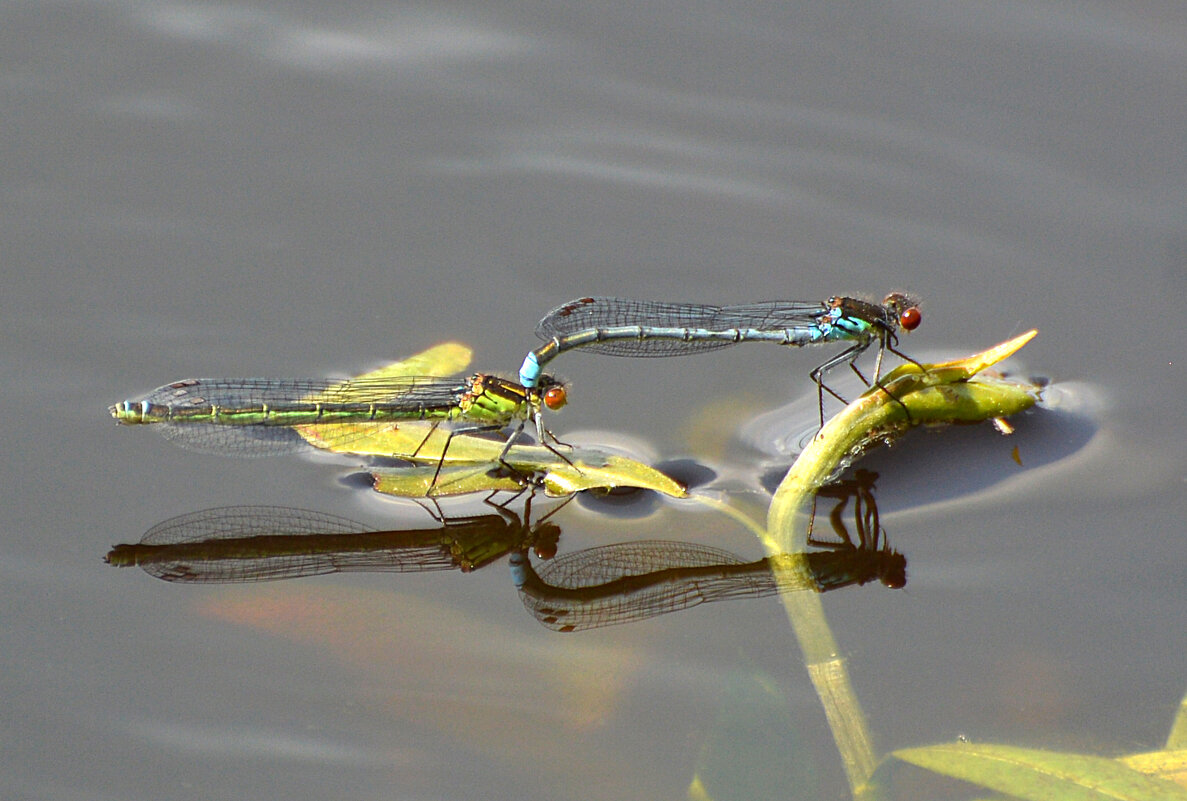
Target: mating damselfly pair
[254,416]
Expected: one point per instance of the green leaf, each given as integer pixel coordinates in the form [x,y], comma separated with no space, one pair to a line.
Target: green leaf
[438,361]
[415,440]
[423,481]
[596,470]
[400,440]
[1041,775]
[472,465]
[470,462]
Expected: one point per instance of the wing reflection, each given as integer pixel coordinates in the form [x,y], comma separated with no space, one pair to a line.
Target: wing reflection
[588,589]
[633,581]
[622,583]
[265,543]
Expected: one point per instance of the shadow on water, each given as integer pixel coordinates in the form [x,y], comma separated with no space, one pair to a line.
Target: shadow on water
[591,588]
[974,459]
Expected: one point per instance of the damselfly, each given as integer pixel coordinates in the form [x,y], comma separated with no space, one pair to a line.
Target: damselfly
[266,543]
[260,416]
[632,581]
[621,327]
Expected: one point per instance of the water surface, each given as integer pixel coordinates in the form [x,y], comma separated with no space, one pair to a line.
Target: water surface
[195,190]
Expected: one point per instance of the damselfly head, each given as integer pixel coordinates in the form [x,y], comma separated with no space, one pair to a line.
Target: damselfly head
[555,397]
[905,308]
[552,392]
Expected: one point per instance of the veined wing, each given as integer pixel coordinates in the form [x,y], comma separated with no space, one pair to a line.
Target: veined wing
[237,399]
[435,362]
[664,322]
[256,416]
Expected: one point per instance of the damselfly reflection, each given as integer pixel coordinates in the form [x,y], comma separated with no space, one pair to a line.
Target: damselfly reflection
[866,522]
[633,581]
[588,589]
[265,543]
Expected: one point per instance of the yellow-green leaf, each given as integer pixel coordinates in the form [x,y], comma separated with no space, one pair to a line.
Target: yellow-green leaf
[595,470]
[416,440]
[438,361]
[1041,775]
[1170,764]
[473,466]
[404,439]
[424,481]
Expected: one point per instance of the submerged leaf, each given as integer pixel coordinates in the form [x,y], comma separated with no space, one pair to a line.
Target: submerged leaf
[472,465]
[755,747]
[1041,775]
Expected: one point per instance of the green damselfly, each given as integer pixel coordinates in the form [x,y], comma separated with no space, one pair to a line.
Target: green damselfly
[263,416]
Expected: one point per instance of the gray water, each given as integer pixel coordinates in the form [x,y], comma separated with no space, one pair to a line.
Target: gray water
[305,190]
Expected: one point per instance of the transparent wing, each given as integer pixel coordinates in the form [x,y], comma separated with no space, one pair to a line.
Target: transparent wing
[663,322]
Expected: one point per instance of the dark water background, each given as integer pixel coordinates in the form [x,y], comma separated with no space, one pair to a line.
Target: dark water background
[309,189]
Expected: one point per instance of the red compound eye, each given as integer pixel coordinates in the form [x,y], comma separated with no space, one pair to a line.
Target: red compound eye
[910,318]
[555,397]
